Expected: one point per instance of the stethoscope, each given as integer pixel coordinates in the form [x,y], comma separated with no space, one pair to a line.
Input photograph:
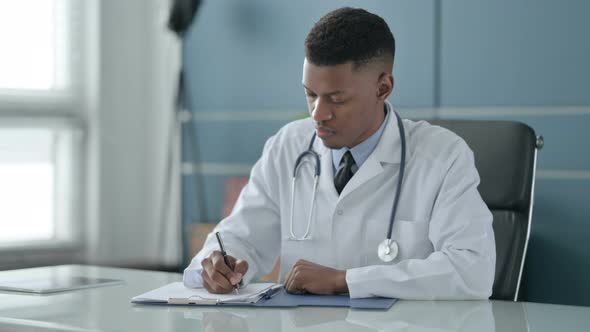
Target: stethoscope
[388,249]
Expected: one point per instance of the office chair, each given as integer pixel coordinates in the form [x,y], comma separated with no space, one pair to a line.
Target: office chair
[505,155]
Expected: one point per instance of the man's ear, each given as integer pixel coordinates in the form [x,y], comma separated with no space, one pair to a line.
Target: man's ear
[384,85]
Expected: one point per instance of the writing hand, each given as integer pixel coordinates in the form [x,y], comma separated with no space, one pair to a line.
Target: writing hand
[219,278]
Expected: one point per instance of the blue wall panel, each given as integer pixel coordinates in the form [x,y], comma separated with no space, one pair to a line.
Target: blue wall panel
[247,140]
[557,268]
[515,52]
[213,198]
[248,55]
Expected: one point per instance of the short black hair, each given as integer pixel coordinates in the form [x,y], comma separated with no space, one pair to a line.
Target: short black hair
[349,34]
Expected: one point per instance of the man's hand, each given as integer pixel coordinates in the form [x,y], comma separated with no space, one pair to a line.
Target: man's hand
[218,278]
[308,277]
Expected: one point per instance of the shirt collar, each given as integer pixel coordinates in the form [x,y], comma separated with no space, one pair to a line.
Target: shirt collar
[362,151]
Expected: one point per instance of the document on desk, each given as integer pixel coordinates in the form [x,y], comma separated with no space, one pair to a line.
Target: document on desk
[256,295]
[177,293]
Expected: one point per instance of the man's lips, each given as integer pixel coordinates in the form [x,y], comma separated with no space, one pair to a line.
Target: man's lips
[324,132]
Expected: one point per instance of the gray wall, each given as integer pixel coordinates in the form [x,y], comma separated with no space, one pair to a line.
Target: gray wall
[514,60]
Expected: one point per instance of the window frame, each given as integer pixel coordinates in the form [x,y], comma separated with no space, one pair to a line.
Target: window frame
[69,162]
[65,110]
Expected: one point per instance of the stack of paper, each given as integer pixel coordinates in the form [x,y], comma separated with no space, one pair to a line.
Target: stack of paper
[177,293]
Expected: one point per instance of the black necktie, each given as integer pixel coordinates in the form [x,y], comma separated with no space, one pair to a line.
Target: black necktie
[344,172]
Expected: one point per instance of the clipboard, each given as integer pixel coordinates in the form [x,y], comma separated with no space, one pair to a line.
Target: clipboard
[177,293]
[263,295]
[282,299]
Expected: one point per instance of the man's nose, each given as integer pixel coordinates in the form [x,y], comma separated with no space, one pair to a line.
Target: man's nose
[320,111]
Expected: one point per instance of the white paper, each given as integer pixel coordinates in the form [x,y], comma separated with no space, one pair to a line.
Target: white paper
[177,290]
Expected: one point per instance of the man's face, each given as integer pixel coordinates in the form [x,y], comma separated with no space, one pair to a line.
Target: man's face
[344,102]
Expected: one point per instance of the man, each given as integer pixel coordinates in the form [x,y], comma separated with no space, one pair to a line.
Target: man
[442,228]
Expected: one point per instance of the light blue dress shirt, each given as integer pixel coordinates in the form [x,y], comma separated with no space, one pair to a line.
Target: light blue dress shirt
[362,151]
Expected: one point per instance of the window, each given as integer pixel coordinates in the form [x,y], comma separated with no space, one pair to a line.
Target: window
[28,60]
[27,177]
[36,169]
[41,62]
[36,39]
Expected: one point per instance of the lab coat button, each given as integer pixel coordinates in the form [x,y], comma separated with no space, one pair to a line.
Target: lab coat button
[339,212]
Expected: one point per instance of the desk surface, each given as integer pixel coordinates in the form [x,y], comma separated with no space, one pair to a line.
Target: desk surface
[109,309]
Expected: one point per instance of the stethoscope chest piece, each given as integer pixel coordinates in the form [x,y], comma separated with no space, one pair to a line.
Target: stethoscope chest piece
[387,250]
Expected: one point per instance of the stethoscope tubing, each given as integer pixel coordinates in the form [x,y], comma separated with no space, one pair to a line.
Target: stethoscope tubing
[402,168]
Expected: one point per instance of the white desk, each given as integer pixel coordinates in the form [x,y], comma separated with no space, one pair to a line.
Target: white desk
[109,309]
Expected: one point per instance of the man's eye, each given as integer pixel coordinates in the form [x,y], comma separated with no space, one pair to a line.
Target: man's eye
[310,96]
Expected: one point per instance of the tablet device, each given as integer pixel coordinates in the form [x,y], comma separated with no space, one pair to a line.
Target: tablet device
[56,284]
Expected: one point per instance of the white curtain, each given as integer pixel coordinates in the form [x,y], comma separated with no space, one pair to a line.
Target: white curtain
[133,194]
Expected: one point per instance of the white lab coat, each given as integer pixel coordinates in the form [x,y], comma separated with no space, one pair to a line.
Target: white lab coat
[443,228]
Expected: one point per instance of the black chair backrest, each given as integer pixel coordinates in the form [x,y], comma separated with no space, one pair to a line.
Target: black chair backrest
[505,154]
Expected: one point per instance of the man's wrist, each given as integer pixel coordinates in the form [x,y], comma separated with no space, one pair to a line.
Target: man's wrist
[341,285]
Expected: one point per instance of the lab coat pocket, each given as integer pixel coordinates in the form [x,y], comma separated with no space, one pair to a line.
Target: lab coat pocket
[409,235]
[412,238]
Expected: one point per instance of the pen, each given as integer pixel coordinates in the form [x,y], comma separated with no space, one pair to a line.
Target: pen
[225,258]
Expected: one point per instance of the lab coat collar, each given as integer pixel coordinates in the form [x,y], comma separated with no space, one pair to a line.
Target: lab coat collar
[327,173]
[388,150]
